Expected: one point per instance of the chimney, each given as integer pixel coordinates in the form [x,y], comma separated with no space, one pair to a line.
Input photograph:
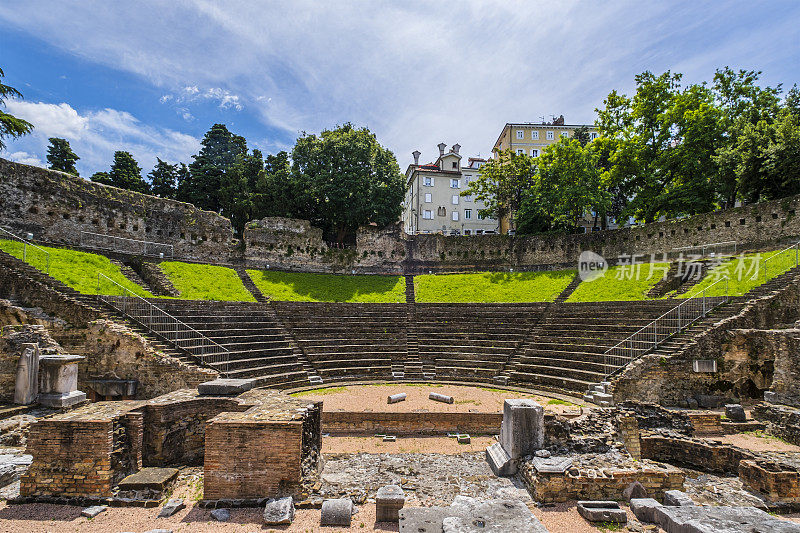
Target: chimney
[456,148]
[442,146]
[416,154]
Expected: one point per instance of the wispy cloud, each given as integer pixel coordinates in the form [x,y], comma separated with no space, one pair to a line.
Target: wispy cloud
[95,135]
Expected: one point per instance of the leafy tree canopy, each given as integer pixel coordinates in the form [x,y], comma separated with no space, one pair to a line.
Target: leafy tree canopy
[164,179]
[61,157]
[10,126]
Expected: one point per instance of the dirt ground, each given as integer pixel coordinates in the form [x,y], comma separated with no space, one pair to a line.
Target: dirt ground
[373,398]
[757,443]
[444,445]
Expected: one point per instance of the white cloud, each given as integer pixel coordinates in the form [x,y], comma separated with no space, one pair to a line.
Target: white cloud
[95,135]
[415,73]
[26,159]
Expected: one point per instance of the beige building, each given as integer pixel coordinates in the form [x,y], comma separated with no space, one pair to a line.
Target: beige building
[531,139]
[433,201]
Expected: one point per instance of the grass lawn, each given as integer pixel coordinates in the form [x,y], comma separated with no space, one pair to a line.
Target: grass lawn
[745,273]
[492,287]
[621,283]
[77,269]
[301,287]
[206,282]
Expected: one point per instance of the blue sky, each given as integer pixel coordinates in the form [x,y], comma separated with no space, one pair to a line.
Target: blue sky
[152,77]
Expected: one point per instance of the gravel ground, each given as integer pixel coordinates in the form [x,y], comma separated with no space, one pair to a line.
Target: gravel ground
[564,518]
[373,398]
[758,444]
[443,445]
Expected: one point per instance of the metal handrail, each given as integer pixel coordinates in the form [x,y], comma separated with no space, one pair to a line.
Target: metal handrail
[795,246]
[87,237]
[25,245]
[662,328]
[703,247]
[164,325]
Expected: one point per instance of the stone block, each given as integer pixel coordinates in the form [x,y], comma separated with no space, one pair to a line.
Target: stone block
[602,511]
[436,397]
[94,510]
[644,508]
[463,439]
[221,515]
[551,465]
[634,490]
[150,478]
[27,384]
[225,387]
[702,519]
[171,507]
[58,380]
[499,461]
[396,398]
[114,388]
[467,515]
[389,438]
[59,400]
[279,511]
[8,474]
[704,365]
[388,502]
[338,512]
[522,429]
[735,412]
[708,401]
[770,396]
[677,498]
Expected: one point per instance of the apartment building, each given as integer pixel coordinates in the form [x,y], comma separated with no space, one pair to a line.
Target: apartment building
[531,139]
[433,201]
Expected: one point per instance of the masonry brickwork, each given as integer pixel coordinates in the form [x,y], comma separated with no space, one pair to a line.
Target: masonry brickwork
[57,207]
[398,423]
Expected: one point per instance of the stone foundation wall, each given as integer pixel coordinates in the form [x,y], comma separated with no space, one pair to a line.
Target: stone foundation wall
[411,423]
[781,420]
[706,424]
[776,482]
[56,207]
[704,455]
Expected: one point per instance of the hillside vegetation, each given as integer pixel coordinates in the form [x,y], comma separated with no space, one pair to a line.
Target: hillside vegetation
[621,283]
[302,287]
[206,282]
[492,287]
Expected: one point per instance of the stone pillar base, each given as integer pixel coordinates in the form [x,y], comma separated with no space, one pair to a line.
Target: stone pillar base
[66,399]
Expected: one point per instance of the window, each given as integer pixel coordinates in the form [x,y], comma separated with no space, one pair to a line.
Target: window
[468,198]
[455,164]
[535,135]
[427,181]
[427,214]
[455,184]
[549,135]
[534,152]
[455,199]
[520,134]
[520,151]
[466,231]
[442,212]
[594,135]
[565,134]
[480,217]
[428,198]
[467,214]
[455,216]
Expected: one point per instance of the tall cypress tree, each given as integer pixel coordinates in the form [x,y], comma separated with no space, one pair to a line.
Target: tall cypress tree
[163,179]
[61,157]
[219,154]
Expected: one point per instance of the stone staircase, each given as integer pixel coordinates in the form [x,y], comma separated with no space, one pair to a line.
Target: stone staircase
[569,289]
[249,285]
[133,276]
[410,290]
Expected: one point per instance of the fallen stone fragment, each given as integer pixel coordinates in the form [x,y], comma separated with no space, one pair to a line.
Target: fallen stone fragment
[221,515]
[94,510]
[171,507]
[544,454]
[225,387]
[702,519]
[338,512]
[389,438]
[468,515]
[464,439]
[634,490]
[644,508]
[499,461]
[395,398]
[8,474]
[435,396]
[735,412]
[522,429]
[602,511]
[279,511]
[388,502]
[677,498]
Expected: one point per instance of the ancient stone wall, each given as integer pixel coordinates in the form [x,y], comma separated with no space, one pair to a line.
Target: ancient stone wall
[411,423]
[704,455]
[776,482]
[781,420]
[57,207]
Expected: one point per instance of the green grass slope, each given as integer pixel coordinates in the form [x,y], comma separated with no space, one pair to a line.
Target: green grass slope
[620,283]
[206,282]
[301,287]
[78,270]
[492,287]
[744,273]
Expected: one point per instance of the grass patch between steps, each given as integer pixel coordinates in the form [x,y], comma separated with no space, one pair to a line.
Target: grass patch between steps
[304,287]
[492,287]
[206,282]
[318,392]
[621,283]
[77,269]
[744,272]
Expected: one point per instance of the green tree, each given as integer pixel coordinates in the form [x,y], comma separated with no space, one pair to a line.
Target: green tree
[238,182]
[582,135]
[782,156]
[61,157]
[279,192]
[164,179]
[125,174]
[184,179]
[10,126]
[502,185]
[219,152]
[351,179]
